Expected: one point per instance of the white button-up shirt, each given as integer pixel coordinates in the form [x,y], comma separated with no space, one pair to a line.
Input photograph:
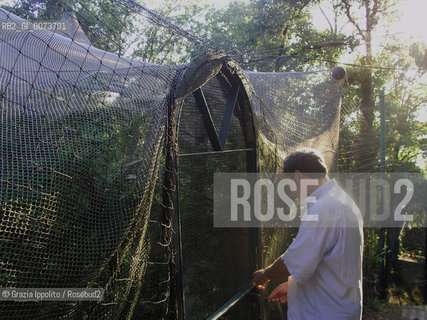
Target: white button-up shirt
[325,259]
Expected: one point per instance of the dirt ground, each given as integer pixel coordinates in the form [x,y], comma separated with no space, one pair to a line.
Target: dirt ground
[405,301]
[385,312]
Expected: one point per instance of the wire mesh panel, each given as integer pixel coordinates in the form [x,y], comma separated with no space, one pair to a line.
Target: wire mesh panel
[216,262]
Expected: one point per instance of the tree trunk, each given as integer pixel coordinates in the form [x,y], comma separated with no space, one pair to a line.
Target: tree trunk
[367,134]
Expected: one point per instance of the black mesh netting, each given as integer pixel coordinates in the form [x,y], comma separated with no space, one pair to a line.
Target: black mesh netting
[81,134]
[107,167]
[203,254]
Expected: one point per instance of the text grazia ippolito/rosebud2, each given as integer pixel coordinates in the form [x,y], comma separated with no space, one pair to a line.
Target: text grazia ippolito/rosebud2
[51,294]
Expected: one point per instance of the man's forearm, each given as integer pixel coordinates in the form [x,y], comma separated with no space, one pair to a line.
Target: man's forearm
[277,270]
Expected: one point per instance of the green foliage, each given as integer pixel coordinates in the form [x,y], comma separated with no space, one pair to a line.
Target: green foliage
[402,68]
[39,10]
[401,79]
[272,35]
[158,44]
[106,24]
[371,263]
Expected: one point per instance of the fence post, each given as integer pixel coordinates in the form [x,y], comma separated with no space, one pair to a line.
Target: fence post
[383,243]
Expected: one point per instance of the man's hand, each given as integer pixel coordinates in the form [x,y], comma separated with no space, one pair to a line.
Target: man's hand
[259,280]
[280,294]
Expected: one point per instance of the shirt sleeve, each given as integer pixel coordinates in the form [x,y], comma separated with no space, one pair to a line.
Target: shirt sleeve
[307,250]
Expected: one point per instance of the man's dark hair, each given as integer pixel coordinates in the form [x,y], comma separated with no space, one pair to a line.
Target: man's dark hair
[306,160]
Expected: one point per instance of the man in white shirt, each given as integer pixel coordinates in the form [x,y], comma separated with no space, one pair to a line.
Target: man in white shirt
[324,262]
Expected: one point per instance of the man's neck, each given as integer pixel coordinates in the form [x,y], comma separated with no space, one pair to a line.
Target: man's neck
[312,188]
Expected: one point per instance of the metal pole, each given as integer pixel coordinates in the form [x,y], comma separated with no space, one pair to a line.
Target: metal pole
[383,244]
[382,134]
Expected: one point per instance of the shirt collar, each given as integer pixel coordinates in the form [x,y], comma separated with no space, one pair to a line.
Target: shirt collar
[325,187]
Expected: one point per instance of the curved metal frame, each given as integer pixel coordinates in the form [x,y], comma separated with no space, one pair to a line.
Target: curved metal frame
[239,96]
